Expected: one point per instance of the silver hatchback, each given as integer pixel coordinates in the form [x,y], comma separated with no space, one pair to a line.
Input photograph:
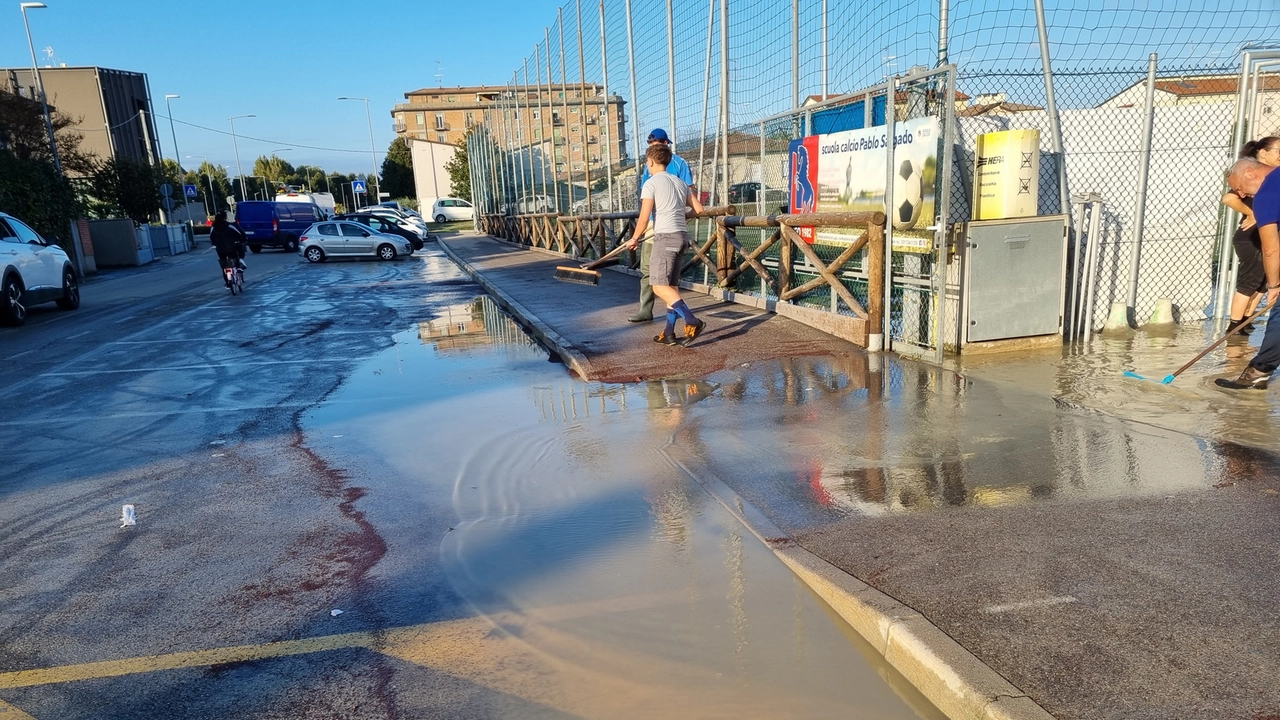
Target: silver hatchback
[337,238]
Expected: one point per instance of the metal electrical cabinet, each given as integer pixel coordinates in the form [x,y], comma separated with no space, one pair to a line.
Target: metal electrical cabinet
[1014,278]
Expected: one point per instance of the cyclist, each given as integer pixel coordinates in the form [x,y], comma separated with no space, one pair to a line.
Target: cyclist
[229,241]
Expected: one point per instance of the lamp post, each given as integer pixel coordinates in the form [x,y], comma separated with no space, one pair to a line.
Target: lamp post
[373,153]
[236,145]
[35,70]
[210,178]
[177,157]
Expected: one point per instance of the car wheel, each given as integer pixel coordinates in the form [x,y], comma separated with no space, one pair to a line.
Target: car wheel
[441,218]
[255,249]
[314,254]
[70,299]
[386,252]
[12,311]
[291,244]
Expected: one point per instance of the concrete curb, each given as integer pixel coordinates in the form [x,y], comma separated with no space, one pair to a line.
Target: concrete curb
[549,338]
[953,679]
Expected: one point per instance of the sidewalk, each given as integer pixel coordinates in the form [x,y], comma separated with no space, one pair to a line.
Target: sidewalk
[1000,544]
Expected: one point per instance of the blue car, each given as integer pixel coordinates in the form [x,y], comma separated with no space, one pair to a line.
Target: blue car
[273,224]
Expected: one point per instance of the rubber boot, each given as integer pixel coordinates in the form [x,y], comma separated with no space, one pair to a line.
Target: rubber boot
[645,313]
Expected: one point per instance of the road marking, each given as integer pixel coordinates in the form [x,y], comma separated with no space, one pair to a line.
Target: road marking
[11,357]
[1028,604]
[74,419]
[9,712]
[411,643]
[81,373]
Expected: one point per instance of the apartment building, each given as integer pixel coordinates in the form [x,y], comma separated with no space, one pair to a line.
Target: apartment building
[575,119]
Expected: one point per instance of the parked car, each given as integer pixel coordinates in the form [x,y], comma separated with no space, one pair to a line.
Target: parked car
[32,271]
[400,216]
[451,209]
[343,238]
[386,226]
[743,192]
[267,223]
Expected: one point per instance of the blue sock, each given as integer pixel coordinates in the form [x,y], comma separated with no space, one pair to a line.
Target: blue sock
[685,313]
[671,322]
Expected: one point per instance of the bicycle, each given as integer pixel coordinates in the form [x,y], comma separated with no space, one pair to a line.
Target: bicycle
[235,277]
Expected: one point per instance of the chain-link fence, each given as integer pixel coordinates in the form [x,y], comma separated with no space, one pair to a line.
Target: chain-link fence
[735,85]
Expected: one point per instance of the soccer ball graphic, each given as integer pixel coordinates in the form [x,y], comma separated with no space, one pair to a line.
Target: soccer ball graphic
[908,195]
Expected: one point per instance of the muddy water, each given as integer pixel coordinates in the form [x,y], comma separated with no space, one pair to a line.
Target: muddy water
[596,578]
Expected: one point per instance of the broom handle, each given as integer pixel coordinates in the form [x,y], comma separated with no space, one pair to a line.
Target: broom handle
[1221,340]
[607,256]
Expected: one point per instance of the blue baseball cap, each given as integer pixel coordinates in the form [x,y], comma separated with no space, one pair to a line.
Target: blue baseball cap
[659,134]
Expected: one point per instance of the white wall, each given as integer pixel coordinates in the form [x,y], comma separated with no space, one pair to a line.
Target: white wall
[430,179]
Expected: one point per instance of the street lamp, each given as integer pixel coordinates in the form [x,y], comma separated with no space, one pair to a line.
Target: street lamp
[35,69]
[210,179]
[177,157]
[373,153]
[236,145]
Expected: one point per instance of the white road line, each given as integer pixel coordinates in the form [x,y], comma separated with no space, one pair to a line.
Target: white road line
[1028,604]
[80,373]
[238,338]
[73,337]
[11,357]
[189,411]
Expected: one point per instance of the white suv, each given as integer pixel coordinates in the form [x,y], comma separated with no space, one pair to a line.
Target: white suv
[32,271]
[451,209]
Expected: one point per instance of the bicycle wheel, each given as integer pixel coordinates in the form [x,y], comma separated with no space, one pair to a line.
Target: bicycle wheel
[239,282]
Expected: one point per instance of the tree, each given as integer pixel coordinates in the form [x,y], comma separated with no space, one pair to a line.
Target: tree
[397,170]
[24,134]
[125,186]
[459,169]
[32,190]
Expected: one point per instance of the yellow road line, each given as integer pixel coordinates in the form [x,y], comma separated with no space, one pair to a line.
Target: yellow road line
[9,712]
[175,661]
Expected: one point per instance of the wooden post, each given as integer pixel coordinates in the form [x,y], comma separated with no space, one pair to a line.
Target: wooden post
[784,266]
[875,278]
[724,260]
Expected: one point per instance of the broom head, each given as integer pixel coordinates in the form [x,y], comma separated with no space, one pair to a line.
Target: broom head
[577,275]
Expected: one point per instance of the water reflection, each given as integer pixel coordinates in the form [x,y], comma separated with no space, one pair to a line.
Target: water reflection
[477,323]
[822,439]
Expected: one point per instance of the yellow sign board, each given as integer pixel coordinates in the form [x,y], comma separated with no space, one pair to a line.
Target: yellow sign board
[1006,180]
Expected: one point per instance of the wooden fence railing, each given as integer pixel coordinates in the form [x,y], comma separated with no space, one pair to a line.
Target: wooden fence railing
[592,236]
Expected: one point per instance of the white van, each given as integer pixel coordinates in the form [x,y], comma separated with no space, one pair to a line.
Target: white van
[322,200]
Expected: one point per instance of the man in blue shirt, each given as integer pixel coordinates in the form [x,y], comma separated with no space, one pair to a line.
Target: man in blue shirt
[1250,178]
[680,169]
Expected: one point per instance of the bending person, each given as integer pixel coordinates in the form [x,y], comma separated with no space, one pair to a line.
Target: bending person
[665,197]
[1250,178]
[1251,281]
[680,169]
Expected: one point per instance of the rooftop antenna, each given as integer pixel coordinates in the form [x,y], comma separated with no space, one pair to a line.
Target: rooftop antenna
[439,74]
[48,51]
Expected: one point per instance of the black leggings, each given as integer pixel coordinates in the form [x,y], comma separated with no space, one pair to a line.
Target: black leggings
[1251,278]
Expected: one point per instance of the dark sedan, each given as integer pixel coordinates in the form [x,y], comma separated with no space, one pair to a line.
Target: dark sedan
[383,225]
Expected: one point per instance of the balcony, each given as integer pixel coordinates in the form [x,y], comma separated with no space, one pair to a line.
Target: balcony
[399,127]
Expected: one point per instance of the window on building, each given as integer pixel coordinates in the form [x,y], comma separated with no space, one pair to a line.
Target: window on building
[578,166]
[440,121]
[422,134]
[537,115]
[577,148]
[471,120]
[560,167]
[573,110]
[440,137]
[421,118]
[435,98]
[537,133]
[453,98]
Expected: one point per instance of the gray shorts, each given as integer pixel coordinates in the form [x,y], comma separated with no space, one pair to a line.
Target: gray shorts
[667,258]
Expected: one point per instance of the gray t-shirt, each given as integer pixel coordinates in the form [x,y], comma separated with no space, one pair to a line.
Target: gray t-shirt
[670,197]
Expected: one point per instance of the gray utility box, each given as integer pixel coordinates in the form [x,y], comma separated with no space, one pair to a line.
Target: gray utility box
[1014,278]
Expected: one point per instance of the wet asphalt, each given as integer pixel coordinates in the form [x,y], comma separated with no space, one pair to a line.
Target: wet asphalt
[363,492]
[1109,562]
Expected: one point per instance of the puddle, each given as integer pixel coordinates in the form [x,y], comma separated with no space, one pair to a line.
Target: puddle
[612,585]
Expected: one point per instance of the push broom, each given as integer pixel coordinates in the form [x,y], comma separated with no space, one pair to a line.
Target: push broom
[587,274]
[1172,376]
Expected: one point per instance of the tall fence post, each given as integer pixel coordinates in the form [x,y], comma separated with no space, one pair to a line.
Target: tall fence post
[635,110]
[1140,202]
[1051,106]
[876,295]
[564,95]
[606,126]
[583,130]
[890,118]
[671,69]
[724,95]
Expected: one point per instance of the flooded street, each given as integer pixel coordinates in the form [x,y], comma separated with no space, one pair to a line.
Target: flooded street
[613,585]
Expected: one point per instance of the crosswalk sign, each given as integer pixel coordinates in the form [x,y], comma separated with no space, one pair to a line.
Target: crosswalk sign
[358,186]
[190,190]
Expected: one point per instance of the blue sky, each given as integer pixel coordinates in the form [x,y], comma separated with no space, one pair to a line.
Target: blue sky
[286,62]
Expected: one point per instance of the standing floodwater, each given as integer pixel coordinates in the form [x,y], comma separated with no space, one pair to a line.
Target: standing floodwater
[593,577]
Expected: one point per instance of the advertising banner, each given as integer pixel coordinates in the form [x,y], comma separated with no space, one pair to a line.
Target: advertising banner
[845,172]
